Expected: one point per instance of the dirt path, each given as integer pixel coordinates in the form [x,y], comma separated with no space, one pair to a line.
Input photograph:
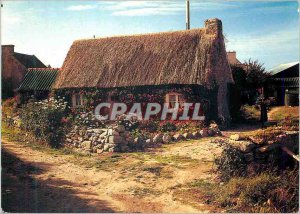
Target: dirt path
[133,182]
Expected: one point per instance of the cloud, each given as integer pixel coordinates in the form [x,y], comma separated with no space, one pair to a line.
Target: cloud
[12,19]
[273,47]
[275,40]
[147,8]
[81,7]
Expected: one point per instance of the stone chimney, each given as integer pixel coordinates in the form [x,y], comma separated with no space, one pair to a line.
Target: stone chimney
[8,49]
[232,57]
[213,26]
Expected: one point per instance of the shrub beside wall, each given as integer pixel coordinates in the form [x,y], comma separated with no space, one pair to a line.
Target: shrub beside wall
[45,120]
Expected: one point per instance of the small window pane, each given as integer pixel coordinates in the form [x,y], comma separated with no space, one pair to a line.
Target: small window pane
[172,98]
[77,100]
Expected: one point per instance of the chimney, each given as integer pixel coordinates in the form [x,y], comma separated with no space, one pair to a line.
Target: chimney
[232,57]
[213,26]
[8,49]
[187,22]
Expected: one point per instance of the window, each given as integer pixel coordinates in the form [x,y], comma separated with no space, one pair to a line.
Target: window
[173,98]
[78,100]
[112,97]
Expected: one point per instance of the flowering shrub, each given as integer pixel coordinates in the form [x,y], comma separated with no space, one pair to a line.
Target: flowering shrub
[189,126]
[129,123]
[86,119]
[149,126]
[45,120]
[167,126]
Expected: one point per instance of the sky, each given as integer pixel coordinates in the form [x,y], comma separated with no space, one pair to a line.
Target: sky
[267,31]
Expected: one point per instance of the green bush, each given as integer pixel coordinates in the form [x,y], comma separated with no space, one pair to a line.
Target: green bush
[45,120]
[130,123]
[149,125]
[168,127]
[9,110]
[231,163]
[85,119]
[190,126]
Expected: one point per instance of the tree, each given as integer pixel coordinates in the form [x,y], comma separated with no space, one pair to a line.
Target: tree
[239,76]
[256,74]
[247,77]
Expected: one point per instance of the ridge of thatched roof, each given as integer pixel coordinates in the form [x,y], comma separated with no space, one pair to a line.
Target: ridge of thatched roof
[182,57]
[137,35]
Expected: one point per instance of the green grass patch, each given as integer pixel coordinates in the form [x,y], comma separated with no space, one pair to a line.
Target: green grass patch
[266,192]
[285,112]
[176,160]
[250,112]
[144,192]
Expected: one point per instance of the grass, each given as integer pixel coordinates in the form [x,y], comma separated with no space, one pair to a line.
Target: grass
[283,112]
[266,192]
[129,161]
[86,160]
[171,160]
[10,133]
[250,112]
[156,170]
[144,192]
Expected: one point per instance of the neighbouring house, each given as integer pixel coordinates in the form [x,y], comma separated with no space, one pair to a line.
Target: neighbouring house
[233,60]
[37,83]
[14,68]
[283,84]
[170,67]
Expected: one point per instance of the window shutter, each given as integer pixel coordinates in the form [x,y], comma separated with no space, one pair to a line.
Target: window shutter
[74,100]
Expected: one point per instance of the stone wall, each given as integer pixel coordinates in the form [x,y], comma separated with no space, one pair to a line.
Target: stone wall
[264,153]
[116,139]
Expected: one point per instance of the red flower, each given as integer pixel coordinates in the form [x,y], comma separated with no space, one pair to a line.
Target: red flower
[64,120]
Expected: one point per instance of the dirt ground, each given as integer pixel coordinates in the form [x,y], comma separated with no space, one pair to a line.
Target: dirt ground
[43,180]
[38,181]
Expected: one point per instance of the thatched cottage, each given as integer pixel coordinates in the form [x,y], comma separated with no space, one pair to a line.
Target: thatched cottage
[189,65]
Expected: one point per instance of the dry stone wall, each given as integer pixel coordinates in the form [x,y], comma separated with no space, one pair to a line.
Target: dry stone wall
[268,152]
[116,139]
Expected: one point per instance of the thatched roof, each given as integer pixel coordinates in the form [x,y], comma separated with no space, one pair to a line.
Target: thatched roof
[196,56]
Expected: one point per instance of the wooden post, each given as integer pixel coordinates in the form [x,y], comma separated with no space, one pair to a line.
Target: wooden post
[290,153]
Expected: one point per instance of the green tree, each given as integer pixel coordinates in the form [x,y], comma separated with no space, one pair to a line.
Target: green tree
[256,74]
[247,78]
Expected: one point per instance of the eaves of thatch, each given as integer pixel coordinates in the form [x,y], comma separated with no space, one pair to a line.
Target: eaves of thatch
[196,56]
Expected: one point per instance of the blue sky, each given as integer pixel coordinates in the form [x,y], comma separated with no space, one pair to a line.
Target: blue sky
[264,30]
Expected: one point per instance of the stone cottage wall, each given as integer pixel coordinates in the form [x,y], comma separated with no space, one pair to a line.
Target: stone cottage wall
[146,94]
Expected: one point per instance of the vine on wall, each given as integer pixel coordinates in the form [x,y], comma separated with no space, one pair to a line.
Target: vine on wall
[138,94]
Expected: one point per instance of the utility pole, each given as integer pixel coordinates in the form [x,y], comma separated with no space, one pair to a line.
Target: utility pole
[187,14]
